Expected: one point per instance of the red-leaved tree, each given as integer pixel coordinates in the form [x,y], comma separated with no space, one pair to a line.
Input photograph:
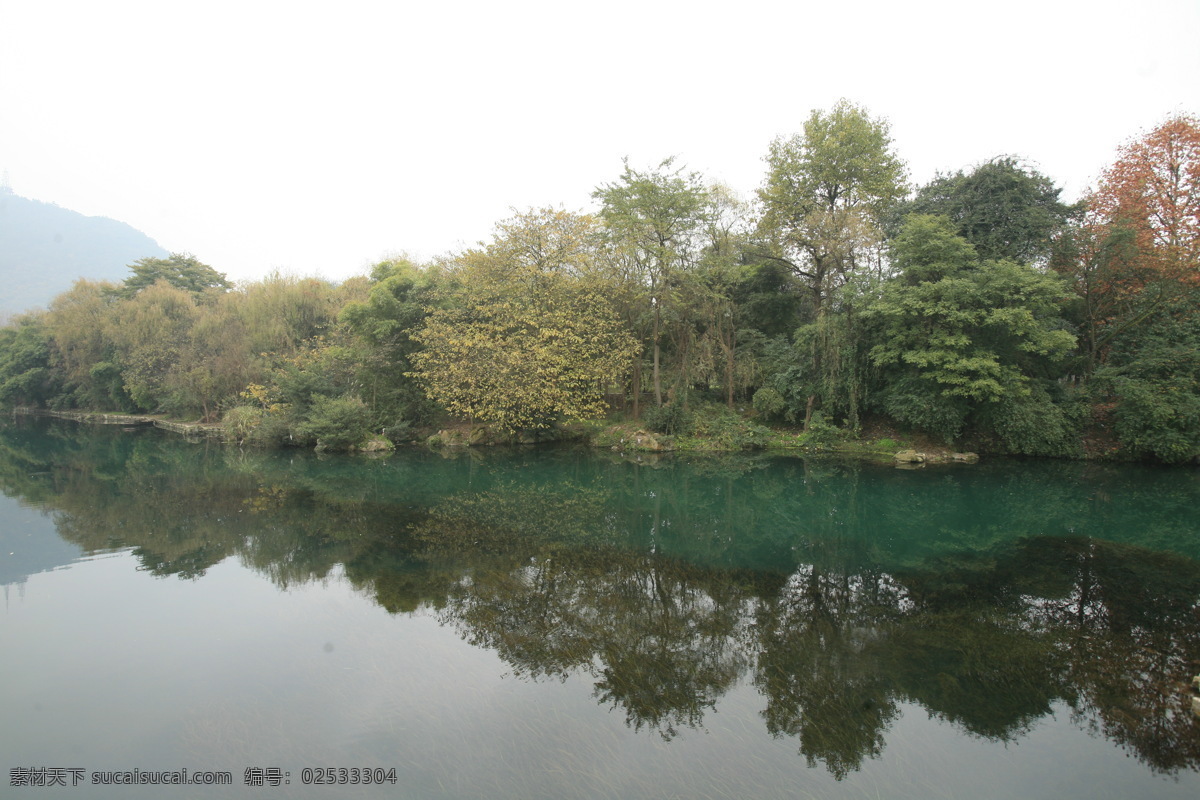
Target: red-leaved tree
[1138,247]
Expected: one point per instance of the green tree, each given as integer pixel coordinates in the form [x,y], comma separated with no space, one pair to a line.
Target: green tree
[215,361]
[1154,379]
[26,376]
[823,198]
[1007,210]
[958,334]
[384,324]
[81,323]
[181,270]
[150,332]
[654,219]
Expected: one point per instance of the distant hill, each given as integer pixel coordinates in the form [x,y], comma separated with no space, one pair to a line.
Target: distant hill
[44,249]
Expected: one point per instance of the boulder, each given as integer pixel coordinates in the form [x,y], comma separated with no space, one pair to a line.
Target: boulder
[909,457]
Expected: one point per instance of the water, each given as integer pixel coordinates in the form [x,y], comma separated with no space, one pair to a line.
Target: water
[577,624]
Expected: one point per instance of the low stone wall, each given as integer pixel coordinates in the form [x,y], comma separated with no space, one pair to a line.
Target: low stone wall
[191,429]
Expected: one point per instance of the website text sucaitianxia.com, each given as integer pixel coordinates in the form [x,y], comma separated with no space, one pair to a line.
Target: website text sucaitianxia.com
[33,777]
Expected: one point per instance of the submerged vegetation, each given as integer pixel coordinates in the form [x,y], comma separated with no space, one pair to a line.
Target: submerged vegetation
[977,311]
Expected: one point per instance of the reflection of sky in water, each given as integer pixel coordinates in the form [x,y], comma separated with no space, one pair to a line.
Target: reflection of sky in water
[107,667]
[28,542]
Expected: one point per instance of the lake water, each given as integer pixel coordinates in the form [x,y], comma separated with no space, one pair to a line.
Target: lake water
[576,624]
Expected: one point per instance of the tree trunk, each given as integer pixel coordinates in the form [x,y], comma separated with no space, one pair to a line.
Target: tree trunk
[729,364]
[637,387]
[657,375]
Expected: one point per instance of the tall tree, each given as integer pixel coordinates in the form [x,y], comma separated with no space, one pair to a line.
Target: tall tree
[654,218]
[823,198]
[1136,252]
[1006,209]
[81,322]
[1153,189]
[150,333]
[959,334]
[385,324]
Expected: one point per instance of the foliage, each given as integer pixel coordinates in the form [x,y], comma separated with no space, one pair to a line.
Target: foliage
[1037,424]
[523,365]
[824,192]
[1137,250]
[1153,189]
[383,325]
[672,419]
[716,427]
[653,220]
[522,342]
[822,202]
[336,423]
[820,434]
[999,320]
[1005,209]
[26,377]
[1154,379]
[768,403]
[241,422]
[958,333]
[181,270]
[971,327]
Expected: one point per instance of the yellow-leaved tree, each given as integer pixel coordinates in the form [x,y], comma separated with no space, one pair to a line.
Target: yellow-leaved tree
[528,337]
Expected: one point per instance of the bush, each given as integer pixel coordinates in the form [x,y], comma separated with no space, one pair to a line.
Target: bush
[1035,425]
[715,427]
[820,435]
[672,419]
[923,406]
[336,423]
[769,403]
[241,422]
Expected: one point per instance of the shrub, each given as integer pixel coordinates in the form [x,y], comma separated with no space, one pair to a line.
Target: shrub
[241,422]
[672,419]
[336,423]
[715,427]
[820,434]
[769,403]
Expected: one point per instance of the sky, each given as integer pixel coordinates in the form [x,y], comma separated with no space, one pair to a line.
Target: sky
[320,137]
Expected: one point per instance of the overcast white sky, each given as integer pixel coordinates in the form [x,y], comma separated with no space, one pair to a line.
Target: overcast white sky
[318,137]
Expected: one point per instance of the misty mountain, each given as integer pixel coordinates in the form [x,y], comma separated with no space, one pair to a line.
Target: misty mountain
[45,248]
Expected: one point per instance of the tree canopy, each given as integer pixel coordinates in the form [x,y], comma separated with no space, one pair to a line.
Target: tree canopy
[181,270]
[1005,209]
[981,308]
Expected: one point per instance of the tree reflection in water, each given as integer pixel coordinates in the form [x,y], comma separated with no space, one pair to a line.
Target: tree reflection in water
[838,592]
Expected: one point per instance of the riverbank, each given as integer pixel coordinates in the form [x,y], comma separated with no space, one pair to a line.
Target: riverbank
[719,434]
[195,430]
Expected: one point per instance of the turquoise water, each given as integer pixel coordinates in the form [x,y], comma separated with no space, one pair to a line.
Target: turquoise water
[569,623]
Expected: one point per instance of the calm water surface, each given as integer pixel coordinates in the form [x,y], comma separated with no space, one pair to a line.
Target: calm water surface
[574,624]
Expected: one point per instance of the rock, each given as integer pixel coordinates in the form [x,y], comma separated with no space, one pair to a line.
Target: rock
[647,441]
[377,444]
[966,458]
[1196,706]
[480,435]
[909,457]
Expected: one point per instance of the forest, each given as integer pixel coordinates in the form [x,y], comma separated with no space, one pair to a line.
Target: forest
[978,310]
